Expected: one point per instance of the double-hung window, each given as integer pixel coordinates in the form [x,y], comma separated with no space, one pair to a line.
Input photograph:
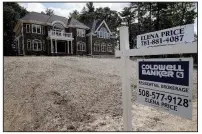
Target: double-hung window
[103,47]
[96,47]
[109,47]
[37,45]
[36,29]
[81,32]
[28,44]
[81,46]
[28,28]
[103,33]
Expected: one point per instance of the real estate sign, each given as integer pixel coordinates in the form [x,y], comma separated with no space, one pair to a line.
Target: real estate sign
[166,84]
[170,36]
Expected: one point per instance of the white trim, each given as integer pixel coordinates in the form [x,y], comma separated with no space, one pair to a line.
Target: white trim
[103,47]
[105,25]
[36,26]
[78,26]
[96,46]
[28,28]
[35,22]
[29,46]
[57,21]
[109,45]
[81,46]
[80,32]
[37,42]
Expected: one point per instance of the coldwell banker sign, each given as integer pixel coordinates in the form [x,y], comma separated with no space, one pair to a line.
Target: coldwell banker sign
[166,84]
[175,35]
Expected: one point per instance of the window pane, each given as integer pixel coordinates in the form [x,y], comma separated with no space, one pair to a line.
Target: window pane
[27,28]
[35,46]
[34,29]
[38,29]
[79,46]
[39,46]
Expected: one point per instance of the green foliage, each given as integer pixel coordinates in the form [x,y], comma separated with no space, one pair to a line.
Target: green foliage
[48,12]
[74,14]
[89,14]
[11,14]
[144,17]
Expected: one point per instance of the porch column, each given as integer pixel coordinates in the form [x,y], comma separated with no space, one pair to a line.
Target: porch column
[18,44]
[71,48]
[68,47]
[51,45]
[65,47]
[56,46]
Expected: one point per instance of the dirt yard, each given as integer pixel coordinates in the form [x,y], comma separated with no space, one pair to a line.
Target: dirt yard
[77,94]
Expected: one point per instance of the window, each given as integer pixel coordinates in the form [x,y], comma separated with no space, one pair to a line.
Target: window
[58,27]
[28,44]
[109,47]
[37,45]
[81,46]
[96,47]
[27,28]
[103,33]
[81,32]
[44,46]
[42,30]
[103,47]
[36,29]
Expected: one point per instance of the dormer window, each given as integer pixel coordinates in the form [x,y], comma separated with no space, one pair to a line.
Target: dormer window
[81,32]
[103,33]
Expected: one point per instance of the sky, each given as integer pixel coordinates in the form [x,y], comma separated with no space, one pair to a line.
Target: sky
[63,9]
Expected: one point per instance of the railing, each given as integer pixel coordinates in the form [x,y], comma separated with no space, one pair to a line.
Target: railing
[59,34]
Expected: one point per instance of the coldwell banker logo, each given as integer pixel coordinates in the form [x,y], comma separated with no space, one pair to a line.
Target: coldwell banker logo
[173,71]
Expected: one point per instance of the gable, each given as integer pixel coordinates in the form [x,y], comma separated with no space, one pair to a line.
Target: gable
[103,24]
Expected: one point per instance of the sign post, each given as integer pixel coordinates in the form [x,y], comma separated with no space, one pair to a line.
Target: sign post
[176,92]
[126,85]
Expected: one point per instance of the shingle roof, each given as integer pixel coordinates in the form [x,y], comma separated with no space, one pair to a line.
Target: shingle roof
[35,16]
[49,19]
[94,25]
[75,23]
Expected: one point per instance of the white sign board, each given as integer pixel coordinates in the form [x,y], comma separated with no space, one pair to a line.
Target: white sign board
[170,36]
[166,84]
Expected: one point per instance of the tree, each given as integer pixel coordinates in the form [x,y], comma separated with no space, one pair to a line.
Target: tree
[144,17]
[90,7]
[48,12]
[12,12]
[75,14]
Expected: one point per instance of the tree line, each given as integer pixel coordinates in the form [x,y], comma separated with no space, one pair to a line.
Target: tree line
[140,17]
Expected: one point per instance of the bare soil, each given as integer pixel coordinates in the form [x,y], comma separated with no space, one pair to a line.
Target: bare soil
[77,94]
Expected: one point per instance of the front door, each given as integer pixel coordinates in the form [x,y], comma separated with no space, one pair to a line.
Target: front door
[61,47]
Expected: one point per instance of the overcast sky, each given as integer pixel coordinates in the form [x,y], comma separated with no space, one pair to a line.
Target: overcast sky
[63,9]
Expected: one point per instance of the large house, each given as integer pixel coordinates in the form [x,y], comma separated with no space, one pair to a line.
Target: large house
[40,34]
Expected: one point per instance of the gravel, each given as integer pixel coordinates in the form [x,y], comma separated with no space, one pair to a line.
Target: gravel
[77,94]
